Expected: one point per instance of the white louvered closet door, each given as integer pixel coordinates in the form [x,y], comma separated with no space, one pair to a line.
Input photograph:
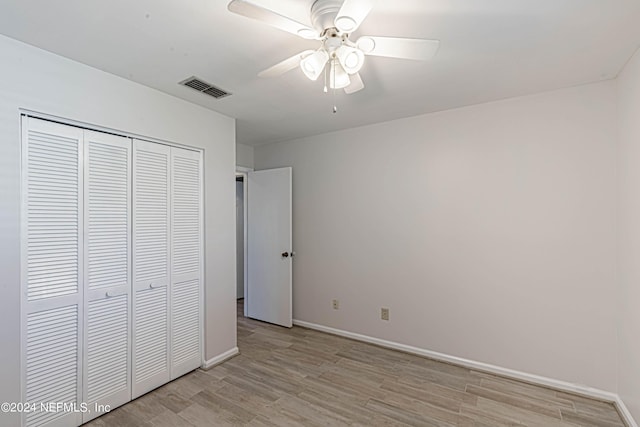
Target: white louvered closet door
[107,364]
[151,240]
[52,262]
[186,261]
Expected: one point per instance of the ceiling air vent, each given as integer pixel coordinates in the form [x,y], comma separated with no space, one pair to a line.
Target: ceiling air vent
[204,87]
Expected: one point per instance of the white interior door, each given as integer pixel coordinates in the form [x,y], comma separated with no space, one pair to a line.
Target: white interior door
[52,262]
[107,272]
[186,265]
[269,254]
[151,231]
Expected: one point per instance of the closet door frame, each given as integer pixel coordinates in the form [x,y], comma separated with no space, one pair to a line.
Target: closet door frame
[27,307]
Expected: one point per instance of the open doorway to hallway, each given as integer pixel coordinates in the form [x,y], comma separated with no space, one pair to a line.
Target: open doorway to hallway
[240,240]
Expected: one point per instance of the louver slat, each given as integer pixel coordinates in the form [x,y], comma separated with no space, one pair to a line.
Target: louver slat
[151,333]
[51,364]
[107,346]
[151,206]
[185,321]
[186,215]
[52,215]
[107,186]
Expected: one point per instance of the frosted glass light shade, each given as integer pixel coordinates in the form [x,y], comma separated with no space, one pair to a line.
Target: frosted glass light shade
[350,58]
[338,77]
[366,44]
[313,64]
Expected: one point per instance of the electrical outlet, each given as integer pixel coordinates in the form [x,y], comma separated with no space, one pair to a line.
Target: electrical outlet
[336,304]
[384,313]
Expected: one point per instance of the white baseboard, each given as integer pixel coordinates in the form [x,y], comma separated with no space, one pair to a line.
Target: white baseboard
[208,364]
[624,412]
[485,367]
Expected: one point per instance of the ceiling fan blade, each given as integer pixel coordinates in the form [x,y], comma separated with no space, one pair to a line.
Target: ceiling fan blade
[356,84]
[351,14]
[251,10]
[396,47]
[284,66]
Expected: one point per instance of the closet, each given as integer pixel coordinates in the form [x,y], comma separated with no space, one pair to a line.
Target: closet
[111,269]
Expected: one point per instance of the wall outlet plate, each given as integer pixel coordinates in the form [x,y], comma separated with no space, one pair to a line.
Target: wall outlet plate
[336,304]
[384,313]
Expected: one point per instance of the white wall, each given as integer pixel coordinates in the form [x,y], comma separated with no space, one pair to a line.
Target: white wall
[244,155]
[37,80]
[629,235]
[488,231]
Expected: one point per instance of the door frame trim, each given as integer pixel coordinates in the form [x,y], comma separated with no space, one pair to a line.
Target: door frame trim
[242,171]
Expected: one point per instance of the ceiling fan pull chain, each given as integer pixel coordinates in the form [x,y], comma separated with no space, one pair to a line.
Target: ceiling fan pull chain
[333,68]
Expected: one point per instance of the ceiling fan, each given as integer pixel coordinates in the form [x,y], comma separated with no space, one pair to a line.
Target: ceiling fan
[341,59]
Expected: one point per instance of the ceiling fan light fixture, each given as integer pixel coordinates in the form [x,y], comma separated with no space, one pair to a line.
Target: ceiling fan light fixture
[313,64]
[338,77]
[338,58]
[350,58]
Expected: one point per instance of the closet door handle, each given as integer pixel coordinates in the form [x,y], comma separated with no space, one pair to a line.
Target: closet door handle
[285,254]
[114,293]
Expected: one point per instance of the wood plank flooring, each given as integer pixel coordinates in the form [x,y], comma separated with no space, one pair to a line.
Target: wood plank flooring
[301,377]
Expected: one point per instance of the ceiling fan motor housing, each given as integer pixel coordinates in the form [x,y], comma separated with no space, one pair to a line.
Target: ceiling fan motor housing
[323,14]
[333,41]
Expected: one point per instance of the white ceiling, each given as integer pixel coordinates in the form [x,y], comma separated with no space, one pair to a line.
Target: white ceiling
[490,49]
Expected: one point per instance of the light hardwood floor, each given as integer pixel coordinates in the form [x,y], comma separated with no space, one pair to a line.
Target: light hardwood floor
[301,377]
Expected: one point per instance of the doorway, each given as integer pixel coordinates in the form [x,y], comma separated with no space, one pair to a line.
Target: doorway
[239,237]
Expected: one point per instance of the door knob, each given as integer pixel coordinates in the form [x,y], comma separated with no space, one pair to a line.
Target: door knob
[285,254]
